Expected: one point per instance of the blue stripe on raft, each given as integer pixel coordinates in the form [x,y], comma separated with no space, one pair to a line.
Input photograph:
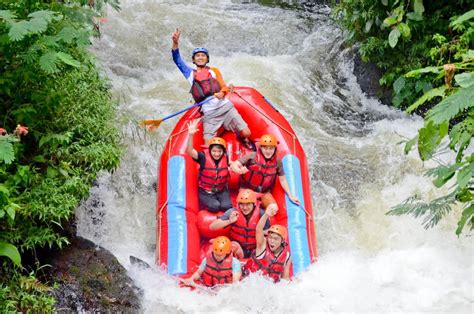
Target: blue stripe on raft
[297,228]
[176,215]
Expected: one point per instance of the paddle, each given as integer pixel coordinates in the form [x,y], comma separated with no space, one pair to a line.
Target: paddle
[153,124]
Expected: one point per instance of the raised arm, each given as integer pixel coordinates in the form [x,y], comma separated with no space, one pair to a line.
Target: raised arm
[259,234]
[192,129]
[182,66]
[175,38]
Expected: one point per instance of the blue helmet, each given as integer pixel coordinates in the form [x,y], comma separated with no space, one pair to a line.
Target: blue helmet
[201,49]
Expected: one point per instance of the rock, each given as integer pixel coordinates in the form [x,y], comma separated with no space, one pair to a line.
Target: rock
[89,278]
[368,76]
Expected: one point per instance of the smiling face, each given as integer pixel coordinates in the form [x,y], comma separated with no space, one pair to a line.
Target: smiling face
[274,241]
[268,151]
[216,152]
[200,59]
[246,208]
[219,257]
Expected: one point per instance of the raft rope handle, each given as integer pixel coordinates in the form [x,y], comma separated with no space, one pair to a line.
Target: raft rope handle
[293,136]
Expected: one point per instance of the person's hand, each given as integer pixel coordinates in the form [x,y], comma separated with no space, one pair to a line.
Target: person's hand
[234,216]
[188,281]
[294,199]
[192,126]
[271,210]
[175,37]
[219,95]
[231,88]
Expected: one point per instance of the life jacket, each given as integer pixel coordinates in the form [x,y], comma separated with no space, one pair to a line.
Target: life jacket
[270,265]
[204,85]
[216,272]
[262,173]
[243,231]
[214,178]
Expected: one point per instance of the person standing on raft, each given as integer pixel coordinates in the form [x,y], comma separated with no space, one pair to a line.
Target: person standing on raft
[218,267]
[205,82]
[272,256]
[213,172]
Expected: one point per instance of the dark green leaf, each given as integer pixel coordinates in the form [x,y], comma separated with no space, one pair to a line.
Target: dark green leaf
[467,215]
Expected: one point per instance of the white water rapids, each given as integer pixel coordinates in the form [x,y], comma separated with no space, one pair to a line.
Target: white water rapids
[368,262]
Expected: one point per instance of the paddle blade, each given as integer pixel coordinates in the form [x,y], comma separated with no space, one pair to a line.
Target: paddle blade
[151,124]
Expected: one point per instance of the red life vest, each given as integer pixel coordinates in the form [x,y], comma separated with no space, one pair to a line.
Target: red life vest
[243,231]
[214,178]
[217,273]
[262,173]
[270,265]
[204,85]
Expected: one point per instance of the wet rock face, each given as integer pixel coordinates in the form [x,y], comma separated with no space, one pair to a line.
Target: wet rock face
[368,76]
[90,278]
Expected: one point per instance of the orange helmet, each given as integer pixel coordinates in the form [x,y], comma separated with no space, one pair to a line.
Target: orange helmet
[280,230]
[221,245]
[268,140]
[246,196]
[218,141]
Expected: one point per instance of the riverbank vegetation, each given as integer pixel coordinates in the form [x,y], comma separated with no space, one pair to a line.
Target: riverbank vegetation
[57,133]
[425,49]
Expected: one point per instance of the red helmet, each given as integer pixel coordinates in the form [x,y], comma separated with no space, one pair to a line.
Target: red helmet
[221,245]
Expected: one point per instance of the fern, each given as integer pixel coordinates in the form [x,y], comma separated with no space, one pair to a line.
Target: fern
[467,216]
[67,34]
[7,155]
[7,16]
[451,106]
[48,62]
[68,59]
[433,211]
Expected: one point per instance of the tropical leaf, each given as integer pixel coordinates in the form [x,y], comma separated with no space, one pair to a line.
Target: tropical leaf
[465,79]
[429,138]
[18,30]
[7,154]
[404,30]
[48,62]
[11,252]
[467,215]
[466,16]
[465,175]
[443,174]
[67,34]
[432,93]
[451,106]
[417,72]
[461,134]
[7,16]
[418,7]
[410,143]
[393,37]
[68,59]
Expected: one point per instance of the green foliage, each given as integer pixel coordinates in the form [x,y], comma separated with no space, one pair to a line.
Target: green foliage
[50,84]
[421,46]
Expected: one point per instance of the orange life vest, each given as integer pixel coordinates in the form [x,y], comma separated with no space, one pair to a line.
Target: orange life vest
[270,265]
[217,273]
[262,173]
[204,85]
[214,178]
[243,231]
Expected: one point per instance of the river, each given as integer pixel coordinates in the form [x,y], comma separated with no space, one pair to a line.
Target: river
[368,262]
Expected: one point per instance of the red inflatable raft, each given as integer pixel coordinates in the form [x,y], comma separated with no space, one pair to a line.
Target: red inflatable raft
[183,230]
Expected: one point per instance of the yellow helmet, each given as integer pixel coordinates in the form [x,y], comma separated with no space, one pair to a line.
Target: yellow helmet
[268,140]
[280,230]
[246,196]
[221,245]
[218,141]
